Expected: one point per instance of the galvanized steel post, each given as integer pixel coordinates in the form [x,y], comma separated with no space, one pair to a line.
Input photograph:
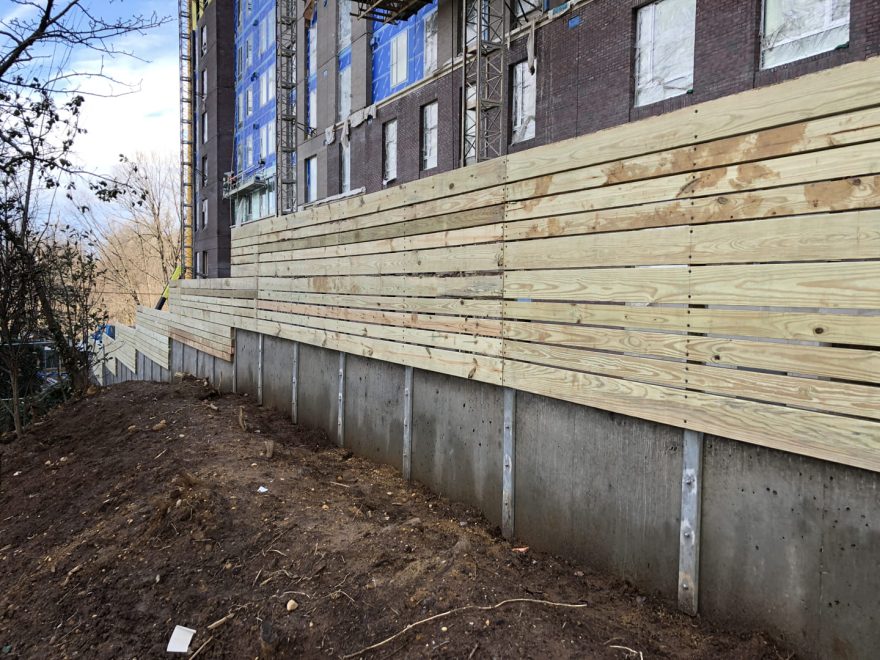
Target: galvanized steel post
[689,541]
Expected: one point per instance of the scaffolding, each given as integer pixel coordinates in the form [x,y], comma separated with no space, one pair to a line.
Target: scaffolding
[483,79]
[185,15]
[286,124]
[484,73]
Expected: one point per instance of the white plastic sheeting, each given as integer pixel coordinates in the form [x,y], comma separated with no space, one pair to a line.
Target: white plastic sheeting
[665,50]
[524,85]
[795,29]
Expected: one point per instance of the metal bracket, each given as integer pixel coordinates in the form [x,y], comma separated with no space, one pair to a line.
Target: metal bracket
[508,449]
[260,369]
[340,407]
[407,423]
[294,412]
[689,540]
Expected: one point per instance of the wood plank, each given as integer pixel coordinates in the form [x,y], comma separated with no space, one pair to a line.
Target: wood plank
[476,307]
[855,160]
[818,197]
[473,326]
[464,365]
[805,326]
[827,132]
[824,237]
[848,363]
[659,344]
[392,285]
[842,285]
[469,258]
[448,340]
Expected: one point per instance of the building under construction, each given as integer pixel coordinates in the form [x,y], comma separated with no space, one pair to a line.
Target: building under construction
[297,103]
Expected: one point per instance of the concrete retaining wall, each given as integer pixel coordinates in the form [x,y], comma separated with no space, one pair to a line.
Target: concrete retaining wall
[788,544]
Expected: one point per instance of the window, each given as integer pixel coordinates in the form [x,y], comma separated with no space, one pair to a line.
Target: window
[344,93]
[664,50]
[204,39]
[239,60]
[204,89]
[398,58]
[264,142]
[249,52]
[430,61]
[270,137]
[523,102]
[312,51]
[200,268]
[389,151]
[271,82]
[429,136]
[204,170]
[345,166]
[204,127]
[250,150]
[264,87]
[250,101]
[204,263]
[795,29]
[311,179]
[204,213]
[312,107]
[239,163]
[240,109]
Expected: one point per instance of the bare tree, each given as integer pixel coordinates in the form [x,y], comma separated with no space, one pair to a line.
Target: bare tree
[137,234]
[39,113]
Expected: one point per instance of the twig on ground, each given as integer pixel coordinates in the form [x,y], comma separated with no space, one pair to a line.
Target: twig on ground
[473,650]
[457,610]
[256,578]
[220,622]
[628,650]
[159,455]
[199,650]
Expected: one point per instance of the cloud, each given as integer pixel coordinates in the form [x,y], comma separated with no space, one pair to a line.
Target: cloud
[143,119]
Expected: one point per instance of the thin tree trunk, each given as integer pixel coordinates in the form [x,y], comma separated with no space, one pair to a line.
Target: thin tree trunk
[16,401]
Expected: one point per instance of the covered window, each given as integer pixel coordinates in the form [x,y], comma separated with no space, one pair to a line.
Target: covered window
[204,127]
[204,213]
[345,166]
[205,263]
[664,50]
[204,89]
[250,150]
[398,58]
[270,137]
[795,29]
[204,171]
[311,179]
[249,52]
[312,107]
[389,151]
[250,101]
[429,136]
[203,36]
[523,102]
[200,269]
[241,111]
[344,33]
[430,61]
[344,93]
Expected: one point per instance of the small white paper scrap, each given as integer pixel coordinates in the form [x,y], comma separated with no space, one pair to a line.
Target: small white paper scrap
[262,489]
[180,639]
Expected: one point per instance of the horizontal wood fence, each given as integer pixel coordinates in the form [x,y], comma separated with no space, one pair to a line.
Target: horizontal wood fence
[716,268]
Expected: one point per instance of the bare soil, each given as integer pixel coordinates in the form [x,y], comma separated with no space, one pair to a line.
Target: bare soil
[112,533]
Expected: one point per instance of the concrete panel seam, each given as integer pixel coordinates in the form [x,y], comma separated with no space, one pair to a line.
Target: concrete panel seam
[340,408]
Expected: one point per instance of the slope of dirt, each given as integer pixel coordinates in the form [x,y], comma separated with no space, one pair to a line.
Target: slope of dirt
[137,509]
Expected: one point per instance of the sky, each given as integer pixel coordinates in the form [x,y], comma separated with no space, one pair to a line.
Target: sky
[144,114]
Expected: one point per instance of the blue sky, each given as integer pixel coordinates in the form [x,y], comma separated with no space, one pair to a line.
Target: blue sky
[145,115]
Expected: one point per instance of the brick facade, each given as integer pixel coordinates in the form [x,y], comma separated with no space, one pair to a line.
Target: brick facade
[585,80]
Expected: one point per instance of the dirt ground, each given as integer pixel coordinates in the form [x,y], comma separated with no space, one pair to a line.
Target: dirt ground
[138,508]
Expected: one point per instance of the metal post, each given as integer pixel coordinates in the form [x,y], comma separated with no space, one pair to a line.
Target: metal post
[235,373]
[340,407]
[689,542]
[260,369]
[407,423]
[294,412]
[508,448]
[213,370]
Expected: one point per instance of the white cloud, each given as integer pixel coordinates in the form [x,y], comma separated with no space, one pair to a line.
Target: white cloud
[145,119]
